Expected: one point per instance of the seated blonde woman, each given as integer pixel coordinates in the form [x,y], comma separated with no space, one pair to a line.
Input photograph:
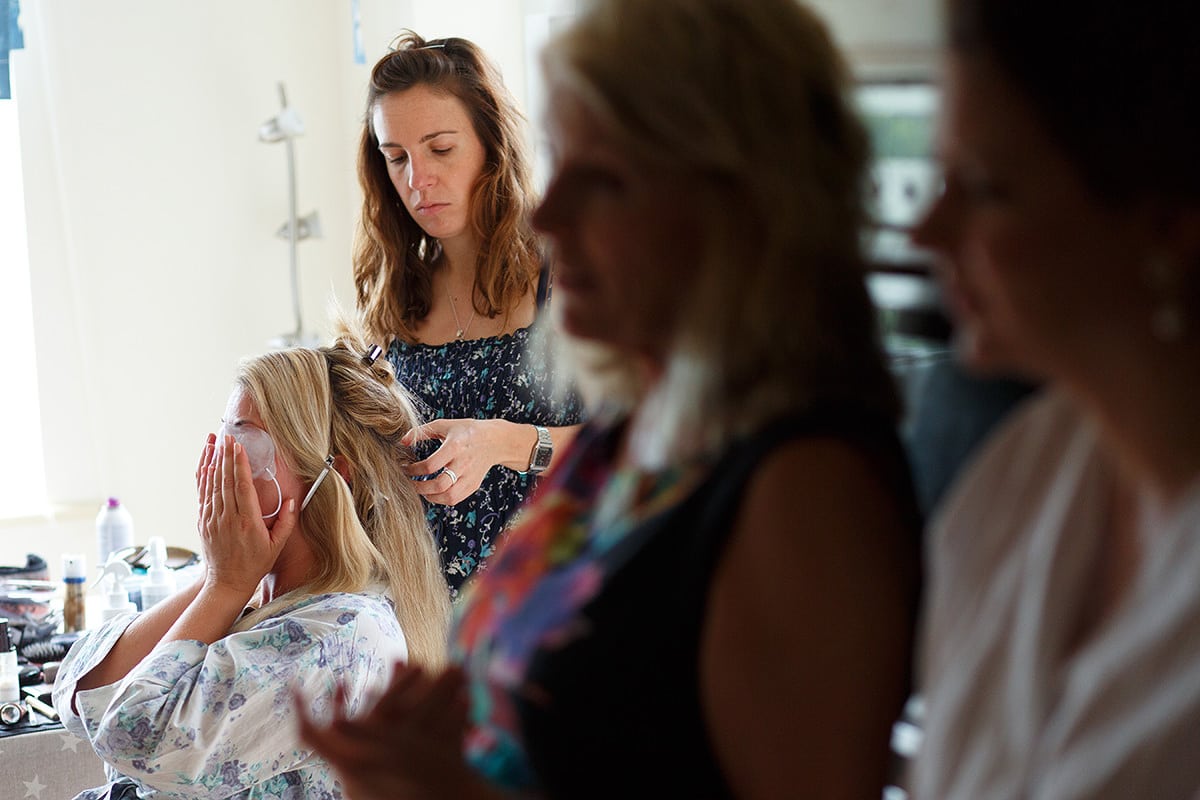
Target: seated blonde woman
[319,570]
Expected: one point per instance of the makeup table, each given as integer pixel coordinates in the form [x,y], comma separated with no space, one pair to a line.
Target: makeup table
[41,761]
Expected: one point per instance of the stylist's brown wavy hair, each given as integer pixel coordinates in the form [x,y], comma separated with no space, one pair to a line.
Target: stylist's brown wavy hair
[393,256]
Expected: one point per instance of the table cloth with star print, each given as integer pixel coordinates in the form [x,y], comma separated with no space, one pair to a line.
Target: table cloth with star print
[218,721]
[47,763]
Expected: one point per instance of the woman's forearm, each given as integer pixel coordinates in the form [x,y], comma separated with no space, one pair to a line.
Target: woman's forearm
[518,440]
[142,636]
[209,616]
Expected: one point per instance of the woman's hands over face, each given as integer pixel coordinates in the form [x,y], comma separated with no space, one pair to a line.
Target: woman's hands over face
[239,549]
[409,744]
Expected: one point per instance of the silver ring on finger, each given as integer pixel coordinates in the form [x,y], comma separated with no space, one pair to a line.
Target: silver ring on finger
[453,475]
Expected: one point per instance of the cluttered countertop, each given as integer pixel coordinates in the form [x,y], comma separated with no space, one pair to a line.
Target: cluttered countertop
[32,643]
[39,758]
[39,621]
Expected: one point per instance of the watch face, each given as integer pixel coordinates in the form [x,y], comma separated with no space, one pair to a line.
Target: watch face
[541,459]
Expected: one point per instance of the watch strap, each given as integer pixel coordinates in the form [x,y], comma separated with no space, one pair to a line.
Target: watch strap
[543,450]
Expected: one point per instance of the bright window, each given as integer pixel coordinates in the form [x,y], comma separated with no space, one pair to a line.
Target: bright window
[22,471]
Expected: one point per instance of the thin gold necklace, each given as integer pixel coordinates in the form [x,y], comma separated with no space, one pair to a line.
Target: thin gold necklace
[461,331]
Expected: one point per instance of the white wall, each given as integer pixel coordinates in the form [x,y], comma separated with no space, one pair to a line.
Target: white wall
[885,38]
[152,210]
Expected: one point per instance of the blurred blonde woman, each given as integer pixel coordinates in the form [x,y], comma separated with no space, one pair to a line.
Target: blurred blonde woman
[319,571]
[714,594]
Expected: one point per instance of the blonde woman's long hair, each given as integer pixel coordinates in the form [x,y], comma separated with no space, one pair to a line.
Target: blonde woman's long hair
[747,99]
[317,402]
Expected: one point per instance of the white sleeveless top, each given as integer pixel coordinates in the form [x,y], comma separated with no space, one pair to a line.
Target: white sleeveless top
[1009,712]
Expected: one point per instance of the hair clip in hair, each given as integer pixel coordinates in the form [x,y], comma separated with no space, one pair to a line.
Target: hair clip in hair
[439,45]
[317,482]
[372,354]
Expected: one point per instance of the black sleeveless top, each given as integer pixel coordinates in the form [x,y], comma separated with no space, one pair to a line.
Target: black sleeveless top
[582,641]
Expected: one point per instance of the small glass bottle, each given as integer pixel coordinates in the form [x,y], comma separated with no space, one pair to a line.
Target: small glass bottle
[74,605]
[10,679]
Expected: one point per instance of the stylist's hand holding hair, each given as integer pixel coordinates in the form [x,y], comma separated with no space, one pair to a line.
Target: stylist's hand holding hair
[451,278]
[471,446]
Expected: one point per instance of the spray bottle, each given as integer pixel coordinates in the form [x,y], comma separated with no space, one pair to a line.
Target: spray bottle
[118,601]
[160,581]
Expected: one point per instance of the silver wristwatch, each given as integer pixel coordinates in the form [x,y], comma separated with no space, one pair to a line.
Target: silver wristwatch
[539,458]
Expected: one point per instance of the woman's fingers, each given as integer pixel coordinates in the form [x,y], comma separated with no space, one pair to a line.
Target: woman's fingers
[441,430]
[334,742]
[401,692]
[437,698]
[449,490]
[285,521]
[403,745]
[456,469]
[203,462]
[242,486]
[240,547]
[218,478]
[348,743]
[437,460]
[203,472]
[434,429]
[229,495]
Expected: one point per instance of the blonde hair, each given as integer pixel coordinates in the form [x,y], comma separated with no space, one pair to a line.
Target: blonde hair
[325,401]
[746,99]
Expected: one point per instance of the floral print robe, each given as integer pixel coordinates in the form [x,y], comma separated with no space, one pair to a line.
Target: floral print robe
[217,721]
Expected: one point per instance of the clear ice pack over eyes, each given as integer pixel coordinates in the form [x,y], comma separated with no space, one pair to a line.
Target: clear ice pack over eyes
[257,443]
[259,449]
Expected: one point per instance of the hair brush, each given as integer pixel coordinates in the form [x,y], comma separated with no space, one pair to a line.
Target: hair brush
[52,649]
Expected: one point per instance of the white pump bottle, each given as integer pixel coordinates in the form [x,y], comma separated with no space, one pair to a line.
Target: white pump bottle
[160,581]
[118,601]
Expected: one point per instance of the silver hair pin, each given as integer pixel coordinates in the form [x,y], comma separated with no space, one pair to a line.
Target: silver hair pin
[372,354]
[317,482]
